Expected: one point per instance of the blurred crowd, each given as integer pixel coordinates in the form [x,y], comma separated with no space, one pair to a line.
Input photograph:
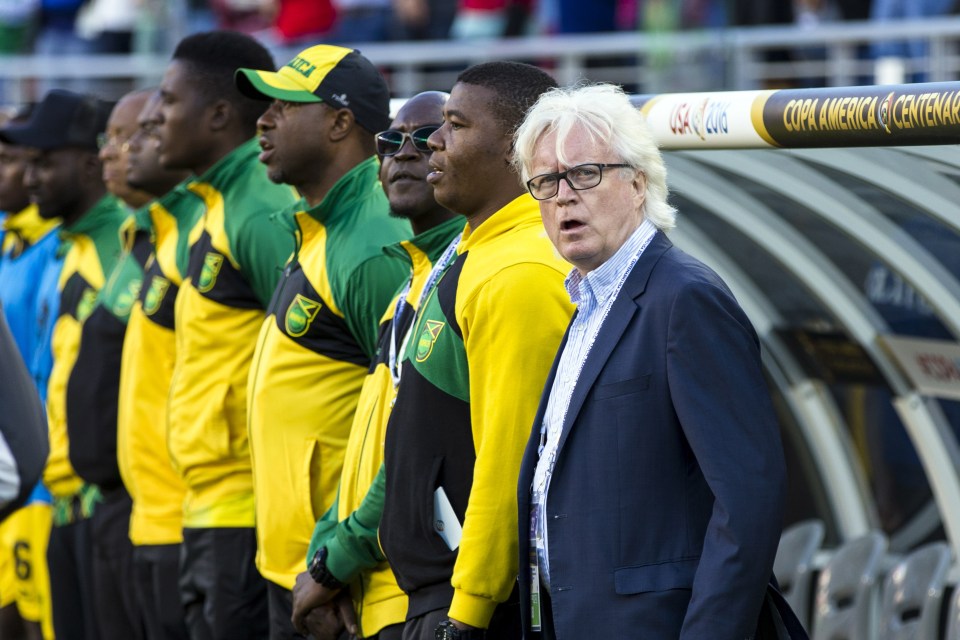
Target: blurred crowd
[124,26]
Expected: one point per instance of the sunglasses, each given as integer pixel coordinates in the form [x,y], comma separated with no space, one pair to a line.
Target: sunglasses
[390,142]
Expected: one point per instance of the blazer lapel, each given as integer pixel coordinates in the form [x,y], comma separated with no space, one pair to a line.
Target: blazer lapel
[617,321]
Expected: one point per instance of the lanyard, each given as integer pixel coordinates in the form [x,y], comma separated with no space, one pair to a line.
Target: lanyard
[438,268]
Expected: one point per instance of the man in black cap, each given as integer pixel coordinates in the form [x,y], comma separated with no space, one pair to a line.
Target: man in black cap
[63,176]
[92,391]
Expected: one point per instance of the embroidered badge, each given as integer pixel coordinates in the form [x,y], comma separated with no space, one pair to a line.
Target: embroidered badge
[155,294]
[211,268]
[300,315]
[125,300]
[428,337]
[85,305]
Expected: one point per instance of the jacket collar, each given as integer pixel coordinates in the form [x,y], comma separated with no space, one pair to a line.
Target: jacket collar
[354,185]
[28,226]
[108,211]
[520,211]
[431,242]
[225,169]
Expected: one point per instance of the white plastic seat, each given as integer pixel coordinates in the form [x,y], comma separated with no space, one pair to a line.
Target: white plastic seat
[845,606]
[793,565]
[913,594]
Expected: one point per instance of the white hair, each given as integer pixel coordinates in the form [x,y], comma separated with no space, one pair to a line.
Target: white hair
[605,113]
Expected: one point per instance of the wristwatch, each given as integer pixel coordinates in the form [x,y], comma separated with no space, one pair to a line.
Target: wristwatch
[319,572]
[446,631]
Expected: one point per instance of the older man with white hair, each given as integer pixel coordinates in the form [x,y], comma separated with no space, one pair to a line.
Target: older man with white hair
[651,489]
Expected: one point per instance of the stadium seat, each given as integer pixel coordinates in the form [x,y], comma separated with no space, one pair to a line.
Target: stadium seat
[913,593]
[953,617]
[793,565]
[846,601]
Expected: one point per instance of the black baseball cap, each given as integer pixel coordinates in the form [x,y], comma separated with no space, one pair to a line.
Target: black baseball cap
[62,119]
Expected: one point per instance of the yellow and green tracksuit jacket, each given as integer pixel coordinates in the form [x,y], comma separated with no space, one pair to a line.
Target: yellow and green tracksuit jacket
[354,554]
[92,245]
[94,383]
[236,256]
[146,369]
[473,373]
[315,348]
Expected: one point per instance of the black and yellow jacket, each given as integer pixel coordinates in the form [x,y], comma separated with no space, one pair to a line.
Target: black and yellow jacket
[149,350]
[354,554]
[92,245]
[473,373]
[236,256]
[94,383]
[315,348]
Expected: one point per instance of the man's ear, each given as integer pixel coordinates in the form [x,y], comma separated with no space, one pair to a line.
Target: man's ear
[343,123]
[508,155]
[639,183]
[218,115]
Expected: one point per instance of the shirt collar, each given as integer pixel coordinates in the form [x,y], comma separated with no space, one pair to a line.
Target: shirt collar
[604,281]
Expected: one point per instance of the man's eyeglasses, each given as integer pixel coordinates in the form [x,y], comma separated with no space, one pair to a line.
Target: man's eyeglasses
[390,142]
[103,141]
[580,177]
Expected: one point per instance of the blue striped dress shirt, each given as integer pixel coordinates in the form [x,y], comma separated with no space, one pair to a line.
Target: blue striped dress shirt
[593,294]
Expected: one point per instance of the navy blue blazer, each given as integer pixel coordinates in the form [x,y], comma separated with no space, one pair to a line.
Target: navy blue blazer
[665,505]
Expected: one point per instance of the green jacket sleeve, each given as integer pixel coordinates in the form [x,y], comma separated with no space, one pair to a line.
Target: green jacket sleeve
[352,544]
[370,289]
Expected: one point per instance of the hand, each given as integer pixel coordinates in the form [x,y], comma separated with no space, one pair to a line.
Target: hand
[344,605]
[322,623]
[307,596]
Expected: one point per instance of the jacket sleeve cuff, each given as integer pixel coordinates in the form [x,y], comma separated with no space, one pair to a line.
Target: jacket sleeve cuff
[325,528]
[475,611]
[339,562]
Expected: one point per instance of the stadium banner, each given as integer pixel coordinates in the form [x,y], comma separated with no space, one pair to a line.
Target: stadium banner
[933,366]
[867,116]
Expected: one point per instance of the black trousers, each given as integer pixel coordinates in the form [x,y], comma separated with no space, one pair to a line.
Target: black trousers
[70,563]
[115,598]
[223,595]
[281,608]
[505,624]
[156,570]
[393,632]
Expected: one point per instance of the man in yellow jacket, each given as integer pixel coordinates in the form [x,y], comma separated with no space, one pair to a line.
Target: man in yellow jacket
[146,369]
[235,259]
[472,372]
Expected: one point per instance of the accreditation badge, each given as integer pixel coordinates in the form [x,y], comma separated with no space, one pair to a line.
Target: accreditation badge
[535,624]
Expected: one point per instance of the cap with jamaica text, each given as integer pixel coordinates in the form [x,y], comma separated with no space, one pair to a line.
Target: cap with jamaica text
[341,77]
